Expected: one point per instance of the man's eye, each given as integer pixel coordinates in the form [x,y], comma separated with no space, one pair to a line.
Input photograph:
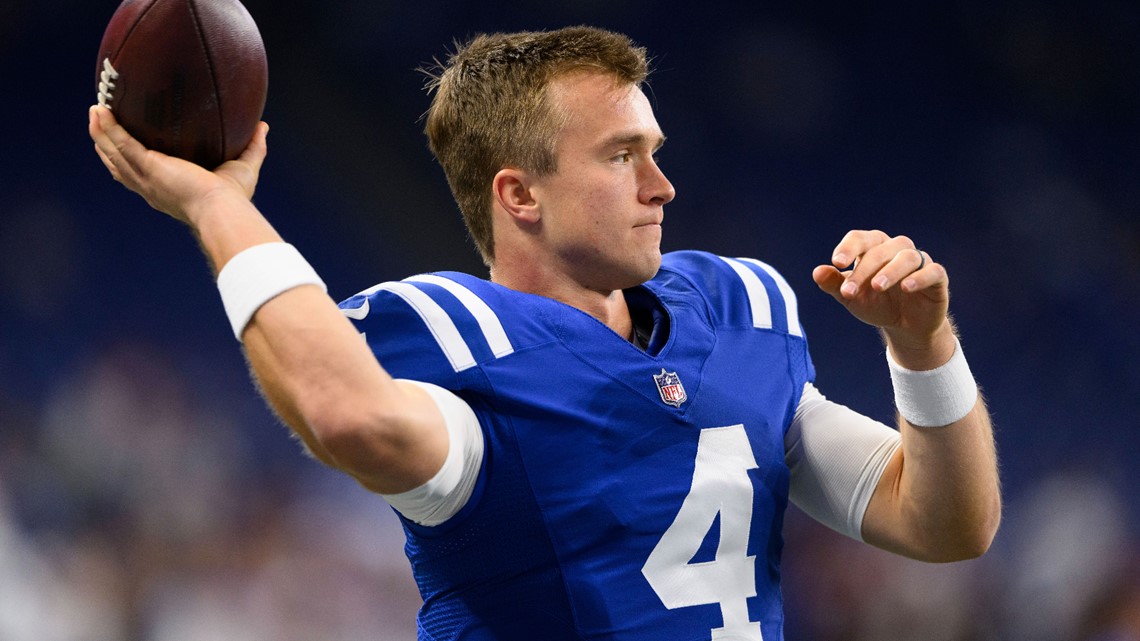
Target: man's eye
[624,157]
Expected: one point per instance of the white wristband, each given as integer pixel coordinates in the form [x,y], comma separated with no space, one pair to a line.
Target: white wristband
[936,397]
[257,274]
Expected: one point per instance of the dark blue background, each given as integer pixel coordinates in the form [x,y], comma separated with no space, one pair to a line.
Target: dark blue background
[1002,137]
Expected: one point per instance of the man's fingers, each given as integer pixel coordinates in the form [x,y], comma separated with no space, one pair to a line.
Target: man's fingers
[247,168]
[903,264]
[108,164]
[931,275]
[254,153]
[115,145]
[879,250]
[829,279]
[99,121]
[889,284]
[911,270]
[854,244]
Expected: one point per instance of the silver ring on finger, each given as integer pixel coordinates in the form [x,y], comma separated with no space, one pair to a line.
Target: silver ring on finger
[921,259]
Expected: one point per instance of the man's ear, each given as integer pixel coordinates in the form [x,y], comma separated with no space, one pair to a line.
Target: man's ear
[512,191]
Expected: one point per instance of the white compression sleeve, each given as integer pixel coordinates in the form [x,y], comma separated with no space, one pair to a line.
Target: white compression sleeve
[445,494]
[836,457]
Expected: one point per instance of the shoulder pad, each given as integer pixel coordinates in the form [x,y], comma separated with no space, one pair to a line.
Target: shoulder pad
[740,292]
[429,328]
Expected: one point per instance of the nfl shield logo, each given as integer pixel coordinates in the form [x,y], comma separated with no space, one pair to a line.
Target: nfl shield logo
[670,387]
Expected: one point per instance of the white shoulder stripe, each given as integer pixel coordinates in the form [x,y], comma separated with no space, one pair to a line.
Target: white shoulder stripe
[488,322]
[438,322]
[357,313]
[786,291]
[757,294]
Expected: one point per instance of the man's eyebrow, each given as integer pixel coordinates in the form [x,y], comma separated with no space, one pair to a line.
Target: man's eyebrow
[636,139]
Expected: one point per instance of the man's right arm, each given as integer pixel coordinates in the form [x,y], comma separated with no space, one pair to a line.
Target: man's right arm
[323,381]
[309,361]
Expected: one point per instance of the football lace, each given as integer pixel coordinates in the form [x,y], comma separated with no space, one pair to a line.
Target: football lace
[106,84]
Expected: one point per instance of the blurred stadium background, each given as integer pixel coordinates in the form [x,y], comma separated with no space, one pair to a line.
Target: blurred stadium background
[147,495]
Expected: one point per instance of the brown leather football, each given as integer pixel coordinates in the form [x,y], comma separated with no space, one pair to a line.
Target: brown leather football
[185,77]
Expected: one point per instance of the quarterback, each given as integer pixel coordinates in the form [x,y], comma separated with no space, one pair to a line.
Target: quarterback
[597,441]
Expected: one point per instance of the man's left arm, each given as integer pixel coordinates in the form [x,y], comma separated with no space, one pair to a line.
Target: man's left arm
[939,497]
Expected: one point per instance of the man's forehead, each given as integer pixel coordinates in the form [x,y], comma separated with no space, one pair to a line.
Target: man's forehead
[588,86]
[615,109]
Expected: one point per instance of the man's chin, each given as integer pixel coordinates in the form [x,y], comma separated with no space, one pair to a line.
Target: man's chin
[650,268]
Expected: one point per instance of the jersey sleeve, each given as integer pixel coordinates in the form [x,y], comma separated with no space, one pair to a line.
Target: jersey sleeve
[447,492]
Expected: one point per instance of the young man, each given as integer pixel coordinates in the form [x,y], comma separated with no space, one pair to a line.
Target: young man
[599,442]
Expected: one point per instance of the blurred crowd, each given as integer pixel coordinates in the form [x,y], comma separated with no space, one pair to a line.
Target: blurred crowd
[146,494]
[131,508]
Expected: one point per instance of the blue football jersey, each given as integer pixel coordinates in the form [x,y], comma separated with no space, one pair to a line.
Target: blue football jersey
[626,494]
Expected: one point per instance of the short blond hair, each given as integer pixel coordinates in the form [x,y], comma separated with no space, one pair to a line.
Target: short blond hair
[490,107]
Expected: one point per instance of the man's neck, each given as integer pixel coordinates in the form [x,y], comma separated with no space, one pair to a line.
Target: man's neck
[609,307]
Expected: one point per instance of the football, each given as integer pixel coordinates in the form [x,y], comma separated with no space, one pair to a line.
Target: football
[185,77]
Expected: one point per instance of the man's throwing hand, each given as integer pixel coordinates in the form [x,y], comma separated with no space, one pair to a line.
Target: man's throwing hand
[170,185]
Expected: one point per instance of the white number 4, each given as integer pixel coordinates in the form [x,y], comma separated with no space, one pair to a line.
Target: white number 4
[720,486]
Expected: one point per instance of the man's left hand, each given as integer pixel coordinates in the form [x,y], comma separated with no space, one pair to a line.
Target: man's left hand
[892,285]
